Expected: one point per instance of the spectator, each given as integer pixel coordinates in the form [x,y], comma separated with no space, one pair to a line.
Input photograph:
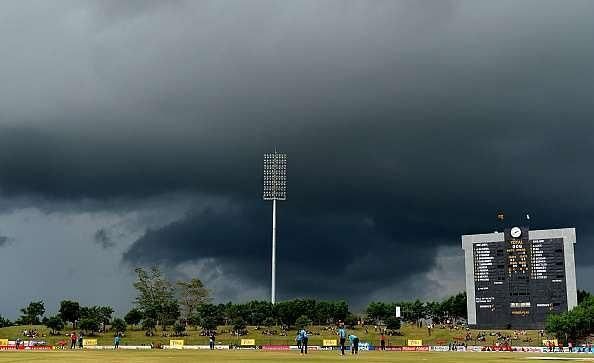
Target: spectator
[73,339]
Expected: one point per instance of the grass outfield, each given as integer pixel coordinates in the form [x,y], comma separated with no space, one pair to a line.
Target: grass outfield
[260,356]
[137,337]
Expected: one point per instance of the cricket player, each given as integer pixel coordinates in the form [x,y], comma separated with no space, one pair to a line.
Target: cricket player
[342,335]
[354,344]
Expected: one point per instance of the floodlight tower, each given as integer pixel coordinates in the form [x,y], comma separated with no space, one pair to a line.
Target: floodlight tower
[275,188]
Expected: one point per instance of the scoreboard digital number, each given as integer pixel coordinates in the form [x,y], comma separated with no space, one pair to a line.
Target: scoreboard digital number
[518,281]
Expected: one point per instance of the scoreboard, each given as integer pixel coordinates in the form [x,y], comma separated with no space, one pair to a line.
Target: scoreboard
[518,280]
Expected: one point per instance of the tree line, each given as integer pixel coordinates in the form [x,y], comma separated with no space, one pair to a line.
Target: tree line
[166,304]
[452,308]
[161,302]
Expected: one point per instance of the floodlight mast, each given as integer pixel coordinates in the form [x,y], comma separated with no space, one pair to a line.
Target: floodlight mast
[275,188]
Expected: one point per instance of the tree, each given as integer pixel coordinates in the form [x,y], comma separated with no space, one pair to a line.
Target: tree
[350,320]
[55,324]
[239,325]
[4,322]
[435,311]
[32,313]
[417,310]
[573,324]
[457,306]
[133,317]
[302,322]
[341,310]
[89,325]
[393,323]
[191,295]
[557,324]
[149,325]
[101,314]
[234,311]
[289,311]
[324,313]
[179,328]
[582,295]
[208,323]
[258,311]
[155,295]
[269,322]
[170,314]
[379,311]
[119,325]
[69,311]
[104,314]
[211,311]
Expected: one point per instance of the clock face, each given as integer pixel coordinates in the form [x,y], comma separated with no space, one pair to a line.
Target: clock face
[516,232]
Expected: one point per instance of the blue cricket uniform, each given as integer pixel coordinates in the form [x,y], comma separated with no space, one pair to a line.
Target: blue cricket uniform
[354,344]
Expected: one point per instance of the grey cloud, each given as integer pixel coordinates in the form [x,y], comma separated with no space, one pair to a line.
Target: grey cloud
[337,250]
[103,238]
[64,232]
[407,124]
[4,241]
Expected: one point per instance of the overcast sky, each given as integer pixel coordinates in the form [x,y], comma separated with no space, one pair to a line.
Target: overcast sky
[132,134]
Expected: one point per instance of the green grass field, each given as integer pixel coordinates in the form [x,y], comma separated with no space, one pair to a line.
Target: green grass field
[137,337]
[260,356]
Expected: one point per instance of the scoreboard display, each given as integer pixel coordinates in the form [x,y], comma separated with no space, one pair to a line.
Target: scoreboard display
[518,281]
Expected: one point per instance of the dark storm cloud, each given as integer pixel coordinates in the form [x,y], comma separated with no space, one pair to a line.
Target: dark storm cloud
[407,124]
[102,237]
[335,249]
[4,241]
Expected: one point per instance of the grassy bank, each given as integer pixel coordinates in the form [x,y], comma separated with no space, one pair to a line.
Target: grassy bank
[259,356]
[137,337]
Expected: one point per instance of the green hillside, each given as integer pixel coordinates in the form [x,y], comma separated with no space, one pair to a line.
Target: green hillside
[137,337]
